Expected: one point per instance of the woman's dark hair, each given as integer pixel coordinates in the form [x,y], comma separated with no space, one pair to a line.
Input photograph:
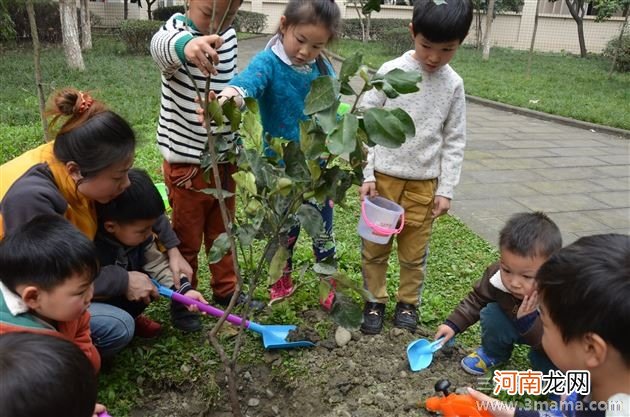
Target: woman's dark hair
[45,375]
[585,288]
[530,234]
[140,201]
[314,12]
[444,22]
[45,252]
[92,136]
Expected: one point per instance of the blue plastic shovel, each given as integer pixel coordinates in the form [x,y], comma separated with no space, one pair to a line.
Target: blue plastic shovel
[274,336]
[420,353]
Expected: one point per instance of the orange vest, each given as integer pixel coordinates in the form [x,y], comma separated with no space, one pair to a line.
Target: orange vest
[80,210]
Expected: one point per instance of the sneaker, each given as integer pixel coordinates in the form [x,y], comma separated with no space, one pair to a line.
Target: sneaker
[184,320]
[147,328]
[373,314]
[406,316]
[327,303]
[242,299]
[281,289]
[478,362]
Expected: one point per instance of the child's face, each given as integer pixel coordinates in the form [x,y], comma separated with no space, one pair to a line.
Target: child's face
[303,43]
[200,12]
[131,234]
[107,184]
[433,55]
[566,356]
[64,302]
[518,272]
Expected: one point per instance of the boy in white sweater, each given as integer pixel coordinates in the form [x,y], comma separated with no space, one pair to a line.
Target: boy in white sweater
[421,174]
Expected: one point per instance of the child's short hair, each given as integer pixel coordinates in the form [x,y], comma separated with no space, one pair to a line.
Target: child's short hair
[314,12]
[140,201]
[45,252]
[585,287]
[44,375]
[442,22]
[530,234]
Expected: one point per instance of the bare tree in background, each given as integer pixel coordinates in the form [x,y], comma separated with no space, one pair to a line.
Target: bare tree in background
[70,34]
[486,36]
[86,26]
[30,9]
[528,72]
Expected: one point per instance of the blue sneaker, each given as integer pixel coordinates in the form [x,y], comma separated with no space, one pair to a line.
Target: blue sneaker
[478,363]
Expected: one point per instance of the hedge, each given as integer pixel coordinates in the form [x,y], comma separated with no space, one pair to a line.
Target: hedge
[250,22]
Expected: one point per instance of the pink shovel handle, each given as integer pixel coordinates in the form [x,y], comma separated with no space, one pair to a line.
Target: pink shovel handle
[384,231]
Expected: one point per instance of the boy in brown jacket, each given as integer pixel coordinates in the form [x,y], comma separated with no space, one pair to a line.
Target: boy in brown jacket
[505,298]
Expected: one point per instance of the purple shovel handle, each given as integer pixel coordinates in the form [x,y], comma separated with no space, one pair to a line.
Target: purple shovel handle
[104,414]
[235,320]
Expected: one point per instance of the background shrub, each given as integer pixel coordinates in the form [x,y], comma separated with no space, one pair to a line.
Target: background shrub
[137,34]
[243,22]
[250,22]
[399,40]
[623,47]
[351,28]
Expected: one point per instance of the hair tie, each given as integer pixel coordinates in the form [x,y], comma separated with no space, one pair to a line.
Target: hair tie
[86,102]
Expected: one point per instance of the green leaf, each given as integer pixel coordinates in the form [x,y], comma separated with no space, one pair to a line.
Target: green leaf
[215,192]
[220,247]
[246,234]
[383,128]
[347,90]
[350,66]
[315,169]
[327,118]
[233,114]
[295,164]
[324,268]
[283,186]
[404,82]
[371,6]
[311,144]
[323,94]
[344,282]
[336,183]
[386,88]
[346,312]
[252,105]
[277,264]
[406,121]
[246,180]
[251,131]
[343,138]
[216,112]
[311,220]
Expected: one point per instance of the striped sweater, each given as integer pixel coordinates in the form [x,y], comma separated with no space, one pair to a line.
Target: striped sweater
[181,138]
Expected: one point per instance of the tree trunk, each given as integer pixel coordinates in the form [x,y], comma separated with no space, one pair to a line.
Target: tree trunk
[86,26]
[528,72]
[576,8]
[486,37]
[149,11]
[70,34]
[619,40]
[30,9]
[125,9]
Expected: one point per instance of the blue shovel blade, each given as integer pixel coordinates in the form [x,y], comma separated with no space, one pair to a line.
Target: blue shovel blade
[420,353]
[275,336]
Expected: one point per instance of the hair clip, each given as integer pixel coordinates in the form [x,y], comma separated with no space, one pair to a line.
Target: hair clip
[86,102]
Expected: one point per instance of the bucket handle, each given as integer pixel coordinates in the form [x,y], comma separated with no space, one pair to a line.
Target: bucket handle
[382,230]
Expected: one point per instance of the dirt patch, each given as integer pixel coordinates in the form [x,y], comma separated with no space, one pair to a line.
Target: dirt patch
[367,377]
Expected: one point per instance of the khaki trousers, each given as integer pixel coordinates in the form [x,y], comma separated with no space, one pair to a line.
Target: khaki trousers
[416,197]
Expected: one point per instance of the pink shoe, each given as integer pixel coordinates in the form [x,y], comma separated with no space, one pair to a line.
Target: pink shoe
[281,289]
[327,303]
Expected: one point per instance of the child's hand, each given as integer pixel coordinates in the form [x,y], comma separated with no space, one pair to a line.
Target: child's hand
[493,406]
[441,205]
[140,288]
[195,295]
[528,306]
[368,189]
[201,51]
[179,266]
[98,408]
[444,331]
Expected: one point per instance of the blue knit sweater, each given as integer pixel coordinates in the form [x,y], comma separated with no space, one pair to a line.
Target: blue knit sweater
[280,90]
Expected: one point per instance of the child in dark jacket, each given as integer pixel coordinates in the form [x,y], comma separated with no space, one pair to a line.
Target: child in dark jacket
[125,238]
[505,298]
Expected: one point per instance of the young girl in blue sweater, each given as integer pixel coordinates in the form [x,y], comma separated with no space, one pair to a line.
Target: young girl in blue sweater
[280,77]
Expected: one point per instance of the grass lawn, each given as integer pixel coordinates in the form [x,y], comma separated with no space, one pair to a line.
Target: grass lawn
[130,85]
[561,84]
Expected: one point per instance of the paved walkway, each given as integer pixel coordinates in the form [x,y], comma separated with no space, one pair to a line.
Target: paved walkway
[517,163]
